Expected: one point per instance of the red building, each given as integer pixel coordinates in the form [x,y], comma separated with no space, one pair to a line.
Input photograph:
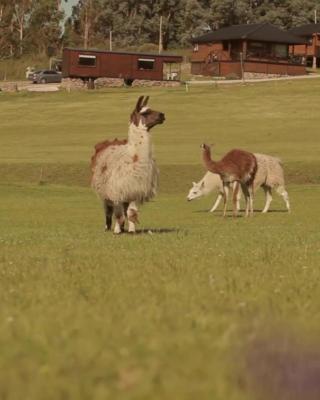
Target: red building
[92,64]
[244,50]
[311,34]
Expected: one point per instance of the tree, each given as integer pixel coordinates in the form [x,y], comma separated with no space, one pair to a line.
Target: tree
[21,10]
[82,26]
[44,28]
[6,29]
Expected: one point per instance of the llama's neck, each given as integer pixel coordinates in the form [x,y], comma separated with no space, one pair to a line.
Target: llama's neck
[211,165]
[139,142]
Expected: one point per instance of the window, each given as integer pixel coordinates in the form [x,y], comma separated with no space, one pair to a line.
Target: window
[259,49]
[280,50]
[86,60]
[145,63]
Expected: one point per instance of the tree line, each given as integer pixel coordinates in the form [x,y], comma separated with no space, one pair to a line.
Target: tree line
[40,26]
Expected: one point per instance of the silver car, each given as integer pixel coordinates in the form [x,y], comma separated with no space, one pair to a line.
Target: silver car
[46,76]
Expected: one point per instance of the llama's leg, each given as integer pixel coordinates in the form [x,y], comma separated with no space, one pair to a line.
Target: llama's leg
[132,214]
[225,198]
[268,194]
[235,200]
[108,211]
[247,198]
[125,210]
[238,197]
[120,218]
[216,204]
[251,195]
[282,191]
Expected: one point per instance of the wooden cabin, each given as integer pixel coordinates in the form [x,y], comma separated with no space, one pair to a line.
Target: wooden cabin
[310,33]
[91,64]
[246,50]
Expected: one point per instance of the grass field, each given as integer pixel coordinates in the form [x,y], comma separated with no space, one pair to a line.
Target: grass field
[201,308]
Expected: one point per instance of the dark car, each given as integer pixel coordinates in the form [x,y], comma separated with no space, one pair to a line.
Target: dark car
[46,76]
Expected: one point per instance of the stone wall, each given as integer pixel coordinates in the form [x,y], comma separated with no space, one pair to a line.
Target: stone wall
[140,82]
[73,84]
[259,75]
[101,83]
[9,87]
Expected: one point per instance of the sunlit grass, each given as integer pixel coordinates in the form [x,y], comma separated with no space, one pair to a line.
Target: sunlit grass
[172,312]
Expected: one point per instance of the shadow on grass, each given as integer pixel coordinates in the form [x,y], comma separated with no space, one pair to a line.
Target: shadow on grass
[241,211]
[151,231]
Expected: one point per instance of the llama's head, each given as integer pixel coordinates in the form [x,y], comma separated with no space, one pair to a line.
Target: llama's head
[197,190]
[205,147]
[144,117]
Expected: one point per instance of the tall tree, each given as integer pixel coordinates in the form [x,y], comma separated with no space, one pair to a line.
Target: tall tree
[21,11]
[6,29]
[44,30]
[83,22]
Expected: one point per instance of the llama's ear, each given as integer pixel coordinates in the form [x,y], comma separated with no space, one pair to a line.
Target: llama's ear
[139,103]
[145,102]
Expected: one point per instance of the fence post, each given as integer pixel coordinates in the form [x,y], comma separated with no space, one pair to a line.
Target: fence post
[242,67]
[90,84]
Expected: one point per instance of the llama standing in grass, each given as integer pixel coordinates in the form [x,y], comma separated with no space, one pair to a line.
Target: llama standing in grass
[269,176]
[124,172]
[211,182]
[236,166]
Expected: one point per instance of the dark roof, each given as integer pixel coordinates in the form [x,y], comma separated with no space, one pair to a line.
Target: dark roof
[168,56]
[305,30]
[260,32]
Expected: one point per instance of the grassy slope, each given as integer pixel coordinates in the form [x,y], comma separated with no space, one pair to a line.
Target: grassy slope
[168,315]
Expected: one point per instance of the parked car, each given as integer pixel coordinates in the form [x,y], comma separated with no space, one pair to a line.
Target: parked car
[45,76]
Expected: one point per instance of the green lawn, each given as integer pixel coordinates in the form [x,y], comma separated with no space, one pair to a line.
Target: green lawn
[183,309]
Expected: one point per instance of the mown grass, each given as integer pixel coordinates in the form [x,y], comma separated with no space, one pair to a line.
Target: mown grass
[174,312]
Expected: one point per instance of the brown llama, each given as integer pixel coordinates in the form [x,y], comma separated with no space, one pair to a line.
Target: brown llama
[236,166]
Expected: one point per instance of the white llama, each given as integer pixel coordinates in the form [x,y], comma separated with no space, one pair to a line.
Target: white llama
[269,176]
[124,172]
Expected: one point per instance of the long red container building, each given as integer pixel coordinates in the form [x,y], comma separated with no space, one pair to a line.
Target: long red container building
[92,64]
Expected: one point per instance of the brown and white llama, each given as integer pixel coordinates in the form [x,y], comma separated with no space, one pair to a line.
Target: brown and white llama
[236,166]
[269,176]
[124,172]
